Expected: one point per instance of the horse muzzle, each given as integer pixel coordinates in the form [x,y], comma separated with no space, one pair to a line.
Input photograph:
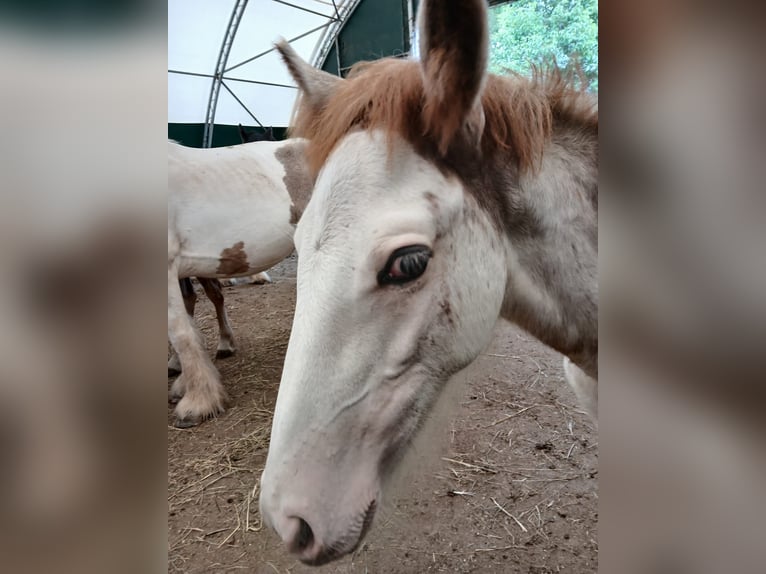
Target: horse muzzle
[315,529]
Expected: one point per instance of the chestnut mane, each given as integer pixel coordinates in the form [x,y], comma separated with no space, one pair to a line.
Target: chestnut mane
[388,94]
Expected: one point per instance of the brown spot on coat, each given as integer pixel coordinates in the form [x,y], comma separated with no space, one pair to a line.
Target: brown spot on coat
[295,215]
[298,180]
[233,260]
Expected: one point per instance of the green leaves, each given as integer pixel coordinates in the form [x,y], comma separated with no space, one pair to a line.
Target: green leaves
[530,32]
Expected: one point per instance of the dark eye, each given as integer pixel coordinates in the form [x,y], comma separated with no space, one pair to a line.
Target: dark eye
[405,264]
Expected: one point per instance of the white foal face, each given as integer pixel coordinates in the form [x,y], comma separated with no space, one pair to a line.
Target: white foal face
[400,282]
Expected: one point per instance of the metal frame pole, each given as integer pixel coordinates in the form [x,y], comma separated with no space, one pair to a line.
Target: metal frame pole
[220,67]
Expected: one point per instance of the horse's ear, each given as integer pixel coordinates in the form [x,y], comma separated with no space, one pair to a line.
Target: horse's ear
[316,85]
[454,39]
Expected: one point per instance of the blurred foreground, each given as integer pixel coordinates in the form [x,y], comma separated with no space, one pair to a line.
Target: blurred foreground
[683,246]
[82,344]
[683,313]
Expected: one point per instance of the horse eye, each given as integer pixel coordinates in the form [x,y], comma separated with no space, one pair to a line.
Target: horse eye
[404,265]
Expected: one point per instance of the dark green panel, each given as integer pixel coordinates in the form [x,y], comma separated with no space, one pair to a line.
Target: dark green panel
[331,63]
[187,134]
[223,135]
[376,29]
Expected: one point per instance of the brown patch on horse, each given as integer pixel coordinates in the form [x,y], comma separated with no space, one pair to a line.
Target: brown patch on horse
[295,215]
[389,95]
[233,260]
[298,179]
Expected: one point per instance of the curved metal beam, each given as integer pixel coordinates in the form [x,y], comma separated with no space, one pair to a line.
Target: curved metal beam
[330,36]
[220,67]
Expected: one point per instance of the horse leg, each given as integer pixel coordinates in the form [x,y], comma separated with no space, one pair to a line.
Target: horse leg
[258,279]
[261,278]
[584,386]
[226,346]
[190,301]
[198,387]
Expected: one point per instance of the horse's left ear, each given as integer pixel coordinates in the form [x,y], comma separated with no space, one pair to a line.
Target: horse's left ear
[316,85]
[453,50]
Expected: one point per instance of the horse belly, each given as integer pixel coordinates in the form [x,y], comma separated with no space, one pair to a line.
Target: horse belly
[233,234]
[238,258]
[232,251]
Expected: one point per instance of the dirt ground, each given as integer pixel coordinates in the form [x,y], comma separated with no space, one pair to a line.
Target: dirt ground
[508,483]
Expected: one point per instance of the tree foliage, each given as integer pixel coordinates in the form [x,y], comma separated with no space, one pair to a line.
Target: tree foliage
[527,32]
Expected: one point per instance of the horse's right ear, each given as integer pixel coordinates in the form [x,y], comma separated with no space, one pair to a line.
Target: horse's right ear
[453,45]
[316,85]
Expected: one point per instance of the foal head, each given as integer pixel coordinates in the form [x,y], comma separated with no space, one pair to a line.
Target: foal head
[402,264]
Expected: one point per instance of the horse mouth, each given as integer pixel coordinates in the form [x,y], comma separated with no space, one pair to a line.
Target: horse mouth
[369,514]
[349,542]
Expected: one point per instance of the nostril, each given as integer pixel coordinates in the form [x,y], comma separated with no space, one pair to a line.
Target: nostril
[305,536]
[299,537]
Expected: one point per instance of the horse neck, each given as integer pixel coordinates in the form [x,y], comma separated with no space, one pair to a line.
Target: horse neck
[551,250]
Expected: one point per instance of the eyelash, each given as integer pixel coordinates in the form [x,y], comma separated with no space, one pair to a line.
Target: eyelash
[413,262]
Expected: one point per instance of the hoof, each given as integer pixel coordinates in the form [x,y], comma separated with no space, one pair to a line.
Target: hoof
[195,420]
[196,407]
[223,353]
[235,281]
[187,423]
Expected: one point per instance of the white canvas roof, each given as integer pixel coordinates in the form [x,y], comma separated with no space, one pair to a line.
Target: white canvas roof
[196,31]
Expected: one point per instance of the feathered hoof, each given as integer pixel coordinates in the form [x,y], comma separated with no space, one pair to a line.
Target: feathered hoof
[187,423]
[192,421]
[194,410]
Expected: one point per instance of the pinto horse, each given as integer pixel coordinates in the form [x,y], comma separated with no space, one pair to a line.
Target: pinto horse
[247,136]
[446,198]
[231,212]
[212,286]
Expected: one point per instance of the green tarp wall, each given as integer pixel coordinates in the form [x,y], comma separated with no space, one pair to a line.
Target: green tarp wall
[223,135]
[376,29]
